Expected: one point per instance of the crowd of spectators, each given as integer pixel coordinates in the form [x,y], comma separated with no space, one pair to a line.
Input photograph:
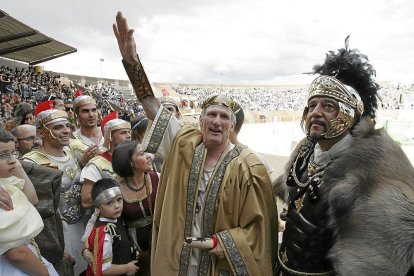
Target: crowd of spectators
[107,93]
[392,96]
[22,89]
[24,85]
[252,98]
[397,96]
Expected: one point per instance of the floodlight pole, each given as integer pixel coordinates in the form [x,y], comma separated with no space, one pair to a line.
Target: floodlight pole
[101,62]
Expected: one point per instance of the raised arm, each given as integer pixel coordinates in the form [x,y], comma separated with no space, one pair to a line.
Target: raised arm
[133,67]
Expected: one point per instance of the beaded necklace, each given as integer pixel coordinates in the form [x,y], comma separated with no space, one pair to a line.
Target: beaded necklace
[140,187]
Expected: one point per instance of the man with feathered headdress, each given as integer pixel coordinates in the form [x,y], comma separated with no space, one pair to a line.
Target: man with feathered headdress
[209,188]
[348,186]
[114,132]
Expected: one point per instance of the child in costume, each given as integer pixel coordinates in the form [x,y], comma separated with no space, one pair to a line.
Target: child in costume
[109,241]
[19,223]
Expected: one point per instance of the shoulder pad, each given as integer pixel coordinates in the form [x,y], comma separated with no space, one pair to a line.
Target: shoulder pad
[101,163]
[37,157]
[77,145]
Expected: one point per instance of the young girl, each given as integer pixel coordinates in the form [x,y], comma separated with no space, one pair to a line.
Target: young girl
[109,241]
[20,222]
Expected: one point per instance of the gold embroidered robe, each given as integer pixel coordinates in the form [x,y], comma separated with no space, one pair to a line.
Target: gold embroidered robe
[239,208]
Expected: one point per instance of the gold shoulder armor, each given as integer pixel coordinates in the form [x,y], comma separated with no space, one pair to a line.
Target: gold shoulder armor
[101,163]
[76,145]
[37,157]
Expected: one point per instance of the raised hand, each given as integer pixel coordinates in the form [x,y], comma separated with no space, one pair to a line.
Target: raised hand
[88,154]
[125,38]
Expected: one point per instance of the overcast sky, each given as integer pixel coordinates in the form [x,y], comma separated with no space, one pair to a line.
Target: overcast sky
[225,42]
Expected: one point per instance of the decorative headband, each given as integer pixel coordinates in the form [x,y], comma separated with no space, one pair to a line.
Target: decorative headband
[83,100]
[114,125]
[169,100]
[221,101]
[106,195]
[50,116]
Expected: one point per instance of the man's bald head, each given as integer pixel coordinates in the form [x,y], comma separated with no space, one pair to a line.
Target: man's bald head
[26,139]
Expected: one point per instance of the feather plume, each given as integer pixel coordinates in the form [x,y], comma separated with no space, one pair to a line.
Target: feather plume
[353,69]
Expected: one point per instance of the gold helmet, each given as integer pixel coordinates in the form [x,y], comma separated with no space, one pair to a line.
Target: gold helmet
[347,77]
[110,123]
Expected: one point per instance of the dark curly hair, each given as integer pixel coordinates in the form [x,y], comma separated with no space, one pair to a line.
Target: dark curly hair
[352,68]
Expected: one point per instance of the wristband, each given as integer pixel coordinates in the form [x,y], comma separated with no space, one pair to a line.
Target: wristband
[215,241]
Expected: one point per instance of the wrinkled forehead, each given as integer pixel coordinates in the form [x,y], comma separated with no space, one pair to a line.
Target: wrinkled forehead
[217,108]
[119,130]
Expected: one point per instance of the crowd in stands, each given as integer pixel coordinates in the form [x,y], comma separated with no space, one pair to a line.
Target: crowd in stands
[252,98]
[397,96]
[18,85]
[282,98]
[25,86]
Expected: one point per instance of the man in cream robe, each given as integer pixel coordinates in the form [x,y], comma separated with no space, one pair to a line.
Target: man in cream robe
[238,206]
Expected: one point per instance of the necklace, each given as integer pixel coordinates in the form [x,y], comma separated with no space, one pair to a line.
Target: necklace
[314,172]
[139,188]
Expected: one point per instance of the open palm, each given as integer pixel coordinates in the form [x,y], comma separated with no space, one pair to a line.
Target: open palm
[125,38]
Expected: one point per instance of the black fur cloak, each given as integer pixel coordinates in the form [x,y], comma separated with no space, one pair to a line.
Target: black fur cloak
[370,190]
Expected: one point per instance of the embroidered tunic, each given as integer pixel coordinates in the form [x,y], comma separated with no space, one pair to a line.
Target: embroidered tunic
[238,205]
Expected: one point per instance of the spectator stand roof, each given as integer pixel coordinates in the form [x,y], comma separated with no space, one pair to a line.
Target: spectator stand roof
[23,43]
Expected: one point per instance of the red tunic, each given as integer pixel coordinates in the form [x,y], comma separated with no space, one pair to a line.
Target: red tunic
[97,235]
